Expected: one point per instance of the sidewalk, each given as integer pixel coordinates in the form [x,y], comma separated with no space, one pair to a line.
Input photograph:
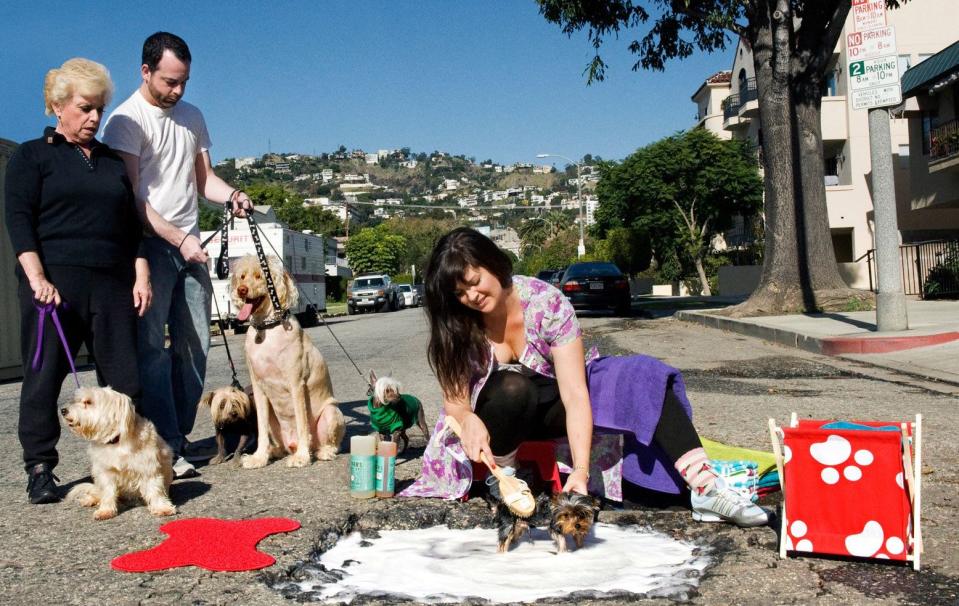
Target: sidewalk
[929,349]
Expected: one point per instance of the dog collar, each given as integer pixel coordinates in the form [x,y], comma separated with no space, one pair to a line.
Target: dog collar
[275,320]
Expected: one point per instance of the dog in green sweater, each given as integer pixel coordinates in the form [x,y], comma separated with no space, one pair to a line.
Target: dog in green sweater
[392,412]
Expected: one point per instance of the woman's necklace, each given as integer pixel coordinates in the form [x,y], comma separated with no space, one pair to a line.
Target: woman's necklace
[83,155]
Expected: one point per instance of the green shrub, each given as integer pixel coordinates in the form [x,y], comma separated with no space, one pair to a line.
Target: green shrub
[943,278]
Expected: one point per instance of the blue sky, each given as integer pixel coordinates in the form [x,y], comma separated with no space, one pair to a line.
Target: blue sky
[487,79]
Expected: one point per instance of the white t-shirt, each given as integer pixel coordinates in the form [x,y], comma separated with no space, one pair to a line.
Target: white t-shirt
[167,142]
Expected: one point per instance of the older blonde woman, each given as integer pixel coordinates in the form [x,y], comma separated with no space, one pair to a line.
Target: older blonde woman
[71,218]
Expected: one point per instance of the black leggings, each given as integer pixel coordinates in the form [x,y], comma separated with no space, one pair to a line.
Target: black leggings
[99,313]
[516,408]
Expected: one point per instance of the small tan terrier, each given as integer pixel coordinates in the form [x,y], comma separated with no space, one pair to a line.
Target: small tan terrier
[129,460]
[233,414]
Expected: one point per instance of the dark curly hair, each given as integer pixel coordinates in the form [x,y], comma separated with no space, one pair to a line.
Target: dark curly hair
[457,341]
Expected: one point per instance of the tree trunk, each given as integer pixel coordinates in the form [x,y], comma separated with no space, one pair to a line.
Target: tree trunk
[799,267]
[698,262]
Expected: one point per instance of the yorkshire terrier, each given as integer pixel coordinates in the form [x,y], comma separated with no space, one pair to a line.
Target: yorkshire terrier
[392,412]
[564,514]
[234,416]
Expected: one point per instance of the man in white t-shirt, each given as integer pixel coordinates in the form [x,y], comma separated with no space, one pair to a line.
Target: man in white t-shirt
[164,143]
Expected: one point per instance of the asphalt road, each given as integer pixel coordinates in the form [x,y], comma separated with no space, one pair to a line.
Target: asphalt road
[57,554]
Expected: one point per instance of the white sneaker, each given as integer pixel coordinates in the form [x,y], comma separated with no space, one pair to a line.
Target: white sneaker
[723,504]
[183,469]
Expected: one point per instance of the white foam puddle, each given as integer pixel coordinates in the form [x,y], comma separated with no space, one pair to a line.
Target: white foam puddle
[438,564]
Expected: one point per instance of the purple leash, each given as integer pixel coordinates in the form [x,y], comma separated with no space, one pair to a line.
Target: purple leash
[50,308]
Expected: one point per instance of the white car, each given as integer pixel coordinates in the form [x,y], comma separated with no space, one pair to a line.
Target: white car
[411,298]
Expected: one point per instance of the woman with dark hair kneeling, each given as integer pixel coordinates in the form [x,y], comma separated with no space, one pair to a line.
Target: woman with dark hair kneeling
[508,353]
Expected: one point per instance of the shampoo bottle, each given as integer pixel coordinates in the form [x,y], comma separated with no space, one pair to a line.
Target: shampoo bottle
[385,469]
[362,467]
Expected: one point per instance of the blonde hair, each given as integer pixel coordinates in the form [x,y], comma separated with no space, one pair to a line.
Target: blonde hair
[76,75]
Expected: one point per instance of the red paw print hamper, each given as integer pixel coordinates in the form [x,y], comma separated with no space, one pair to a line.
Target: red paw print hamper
[850,488]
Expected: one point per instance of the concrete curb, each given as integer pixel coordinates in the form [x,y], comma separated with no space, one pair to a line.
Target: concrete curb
[830,346]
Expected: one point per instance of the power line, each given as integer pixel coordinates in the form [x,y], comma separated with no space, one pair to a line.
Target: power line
[351,203]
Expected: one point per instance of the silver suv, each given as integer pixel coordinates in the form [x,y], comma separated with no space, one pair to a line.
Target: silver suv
[372,292]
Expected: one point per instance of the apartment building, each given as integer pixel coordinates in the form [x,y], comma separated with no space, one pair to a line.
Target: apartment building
[931,93]
[709,99]
[922,29]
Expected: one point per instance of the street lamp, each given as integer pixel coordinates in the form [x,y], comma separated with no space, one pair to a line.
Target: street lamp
[581,249]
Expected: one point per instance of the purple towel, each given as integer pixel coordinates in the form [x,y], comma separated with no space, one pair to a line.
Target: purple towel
[627,395]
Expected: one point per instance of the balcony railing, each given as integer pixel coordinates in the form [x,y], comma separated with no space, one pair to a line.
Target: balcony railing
[749,92]
[944,141]
[731,107]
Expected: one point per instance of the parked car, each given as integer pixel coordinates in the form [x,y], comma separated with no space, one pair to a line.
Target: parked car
[549,275]
[597,285]
[372,292]
[411,297]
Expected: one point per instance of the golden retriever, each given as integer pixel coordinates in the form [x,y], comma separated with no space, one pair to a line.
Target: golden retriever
[291,383]
[128,457]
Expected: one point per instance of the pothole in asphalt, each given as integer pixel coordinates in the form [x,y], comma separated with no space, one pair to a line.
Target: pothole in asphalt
[406,552]
[777,367]
[925,588]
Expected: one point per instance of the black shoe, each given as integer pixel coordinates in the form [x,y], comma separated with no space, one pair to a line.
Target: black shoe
[42,485]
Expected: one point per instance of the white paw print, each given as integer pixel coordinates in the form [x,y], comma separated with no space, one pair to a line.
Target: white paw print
[834,452]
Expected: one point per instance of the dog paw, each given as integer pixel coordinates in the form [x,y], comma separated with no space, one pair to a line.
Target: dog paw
[326,453]
[217,459]
[162,508]
[254,461]
[297,461]
[104,514]
[88,500]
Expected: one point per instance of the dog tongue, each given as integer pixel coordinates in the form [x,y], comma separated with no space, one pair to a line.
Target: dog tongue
[244,312]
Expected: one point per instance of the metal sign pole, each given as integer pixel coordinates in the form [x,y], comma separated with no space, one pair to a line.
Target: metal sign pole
[890,298]
[874,85]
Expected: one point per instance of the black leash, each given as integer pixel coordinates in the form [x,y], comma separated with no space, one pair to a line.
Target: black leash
[223,271]
[219,322]
[256,241]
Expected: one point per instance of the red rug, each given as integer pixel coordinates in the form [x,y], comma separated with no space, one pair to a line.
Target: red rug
[219,545]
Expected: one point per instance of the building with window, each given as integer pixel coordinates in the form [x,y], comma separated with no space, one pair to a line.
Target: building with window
[922,29]
[931,92]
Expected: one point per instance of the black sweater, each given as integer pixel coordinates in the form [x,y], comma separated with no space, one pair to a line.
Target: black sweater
[68,209]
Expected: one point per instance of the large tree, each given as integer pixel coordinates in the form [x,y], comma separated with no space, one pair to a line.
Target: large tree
[421,234]
[685,188]
[792,42]
[375,249]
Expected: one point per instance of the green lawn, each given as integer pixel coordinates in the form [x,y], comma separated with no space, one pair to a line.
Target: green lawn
[335,308]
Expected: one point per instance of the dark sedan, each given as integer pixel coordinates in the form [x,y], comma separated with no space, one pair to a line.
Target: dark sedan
[597,285]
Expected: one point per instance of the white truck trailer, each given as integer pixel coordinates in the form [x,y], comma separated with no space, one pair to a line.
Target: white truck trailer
[303,255]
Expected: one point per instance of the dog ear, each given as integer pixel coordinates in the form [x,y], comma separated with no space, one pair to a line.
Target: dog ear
[127,414]
[292,293]
[206,400]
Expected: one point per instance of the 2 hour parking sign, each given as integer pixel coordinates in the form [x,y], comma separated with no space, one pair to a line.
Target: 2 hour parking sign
[873,66]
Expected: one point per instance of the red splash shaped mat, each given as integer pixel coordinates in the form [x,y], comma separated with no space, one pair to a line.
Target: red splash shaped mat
[210,543]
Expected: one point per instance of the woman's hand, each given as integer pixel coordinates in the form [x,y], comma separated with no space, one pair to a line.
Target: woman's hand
[44,291]
[475,437]
[142,295]
[577,481]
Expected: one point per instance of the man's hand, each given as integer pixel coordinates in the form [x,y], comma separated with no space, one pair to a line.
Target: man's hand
[191,251]
[241,204]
